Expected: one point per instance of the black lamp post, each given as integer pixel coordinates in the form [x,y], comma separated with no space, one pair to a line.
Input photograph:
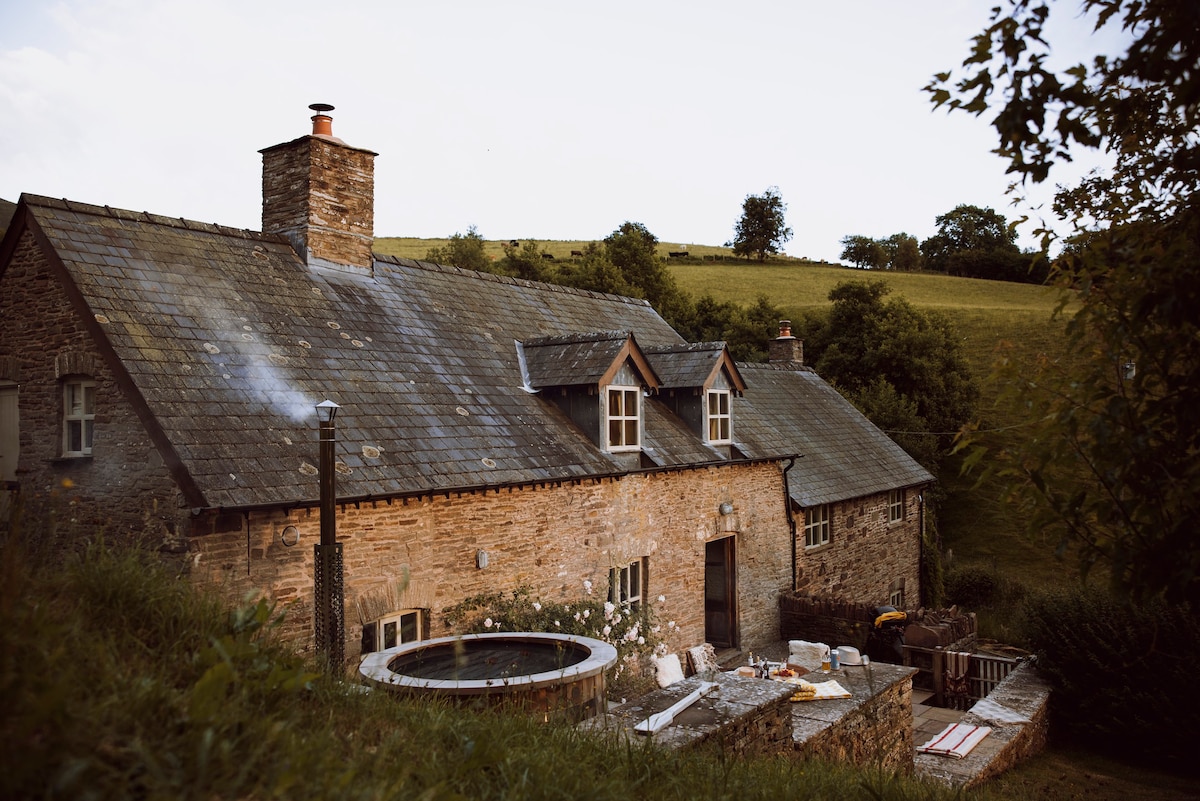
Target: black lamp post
[329,615]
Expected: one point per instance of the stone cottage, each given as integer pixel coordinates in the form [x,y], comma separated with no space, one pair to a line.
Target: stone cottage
[159,377]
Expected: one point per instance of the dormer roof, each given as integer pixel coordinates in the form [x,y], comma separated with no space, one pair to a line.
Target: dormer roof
[591,359]
[695,365]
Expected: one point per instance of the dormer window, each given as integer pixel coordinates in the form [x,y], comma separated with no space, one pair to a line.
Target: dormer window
[719,418]
[624,418]
[599,380]
[79,412]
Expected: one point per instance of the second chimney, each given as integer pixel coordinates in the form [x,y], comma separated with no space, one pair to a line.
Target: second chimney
[319,192]
[786,350]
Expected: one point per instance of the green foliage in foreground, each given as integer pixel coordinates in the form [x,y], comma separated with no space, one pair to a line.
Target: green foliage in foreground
[1124,674]
[119,681]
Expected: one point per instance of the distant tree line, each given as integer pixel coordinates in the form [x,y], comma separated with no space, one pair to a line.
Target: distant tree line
[626,262]
[971,242]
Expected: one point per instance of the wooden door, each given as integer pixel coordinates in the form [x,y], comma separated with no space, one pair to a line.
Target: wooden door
[720,594]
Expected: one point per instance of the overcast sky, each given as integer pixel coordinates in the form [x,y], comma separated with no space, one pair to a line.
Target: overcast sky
[529,120]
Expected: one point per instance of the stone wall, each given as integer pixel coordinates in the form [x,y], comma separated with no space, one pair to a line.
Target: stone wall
[123,489]
[866,556]
[744,717]
[550,538]
[874,728]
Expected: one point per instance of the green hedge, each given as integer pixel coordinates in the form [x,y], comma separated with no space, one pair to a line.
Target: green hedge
[1123,675]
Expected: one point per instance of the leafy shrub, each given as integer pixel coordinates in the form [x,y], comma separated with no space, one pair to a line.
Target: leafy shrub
[1123,674]
[976,587]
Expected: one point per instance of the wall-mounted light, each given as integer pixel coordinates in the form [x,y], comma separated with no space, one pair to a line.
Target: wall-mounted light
[726,508]
[289,536]
[481,559]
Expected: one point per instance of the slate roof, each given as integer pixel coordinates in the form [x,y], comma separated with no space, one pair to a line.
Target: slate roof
[229,340]
[576,359]
[7,208]
[844,454]
[692,364]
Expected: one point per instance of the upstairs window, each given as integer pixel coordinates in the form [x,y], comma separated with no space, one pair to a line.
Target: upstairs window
[393,630]
[624,418]
[625,585]
[719,419]
[79,412]
[895,506]
[816,526]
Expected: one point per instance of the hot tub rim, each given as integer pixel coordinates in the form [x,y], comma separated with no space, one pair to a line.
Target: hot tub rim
[601,657]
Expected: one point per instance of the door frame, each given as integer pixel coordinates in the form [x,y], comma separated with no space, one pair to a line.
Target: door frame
[720,562]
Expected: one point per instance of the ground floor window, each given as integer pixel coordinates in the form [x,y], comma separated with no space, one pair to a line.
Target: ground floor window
[395,629]
[816,526]
[625,584]
[896,594]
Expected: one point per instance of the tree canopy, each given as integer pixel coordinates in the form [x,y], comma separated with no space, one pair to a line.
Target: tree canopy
[762,229]
[463,250]
[1111,459]
[898,252]
[902,366]
[976,242]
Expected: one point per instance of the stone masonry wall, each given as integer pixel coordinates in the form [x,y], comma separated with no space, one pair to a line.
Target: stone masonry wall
[879,732]
[420,553]
[124,487]
[866,555]
[321,195]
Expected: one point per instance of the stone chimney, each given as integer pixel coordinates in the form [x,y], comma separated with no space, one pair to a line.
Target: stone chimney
[786,350]
[319,192]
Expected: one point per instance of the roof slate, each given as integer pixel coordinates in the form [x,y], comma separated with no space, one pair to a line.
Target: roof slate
[231,340]
[843,454]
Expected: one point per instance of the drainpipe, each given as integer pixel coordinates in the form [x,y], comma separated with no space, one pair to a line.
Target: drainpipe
[787,511]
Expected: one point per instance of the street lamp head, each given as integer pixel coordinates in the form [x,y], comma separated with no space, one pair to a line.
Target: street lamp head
[327,410]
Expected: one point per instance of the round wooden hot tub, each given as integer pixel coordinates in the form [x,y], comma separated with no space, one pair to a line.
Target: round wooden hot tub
[541,672]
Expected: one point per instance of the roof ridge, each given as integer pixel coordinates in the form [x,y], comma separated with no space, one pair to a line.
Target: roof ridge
[576,338]
[78,207]
[506,279]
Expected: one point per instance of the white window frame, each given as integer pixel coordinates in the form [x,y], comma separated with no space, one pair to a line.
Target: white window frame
[896,509]
[389,630]
[627,435]
[626,584]
[896,594]
[79,416]
[816,526]
[721,418]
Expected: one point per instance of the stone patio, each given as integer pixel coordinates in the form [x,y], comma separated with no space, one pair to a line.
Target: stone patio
[881,724]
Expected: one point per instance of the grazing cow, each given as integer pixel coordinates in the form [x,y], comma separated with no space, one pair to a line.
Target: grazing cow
[548,256]
[578,253]
[514,243]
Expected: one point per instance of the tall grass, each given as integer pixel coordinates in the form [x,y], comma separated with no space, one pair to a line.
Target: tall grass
[118,680]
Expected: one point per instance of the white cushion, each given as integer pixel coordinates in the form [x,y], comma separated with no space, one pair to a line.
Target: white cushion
[667,669]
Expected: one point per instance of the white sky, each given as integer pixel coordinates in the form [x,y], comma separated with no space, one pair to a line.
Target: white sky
[529,120]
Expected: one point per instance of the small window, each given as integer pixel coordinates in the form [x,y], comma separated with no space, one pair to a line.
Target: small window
[895,506]
[624,418]
[816,526]
[625,585]
[79,412]
[393,630]
[719,419]
[896,594]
